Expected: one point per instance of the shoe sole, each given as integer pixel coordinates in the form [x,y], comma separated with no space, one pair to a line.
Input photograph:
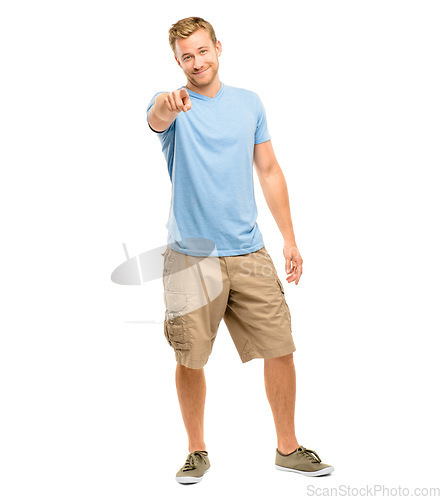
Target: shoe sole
[190,479]
[322,472]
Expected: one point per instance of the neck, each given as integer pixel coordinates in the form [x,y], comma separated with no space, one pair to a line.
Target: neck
[209,90]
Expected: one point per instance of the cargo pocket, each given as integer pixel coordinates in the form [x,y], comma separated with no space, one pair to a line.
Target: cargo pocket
[284,301]
[175,329]
[176,333]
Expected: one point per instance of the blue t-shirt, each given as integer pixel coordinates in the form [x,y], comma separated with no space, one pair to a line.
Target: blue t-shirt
[209,153]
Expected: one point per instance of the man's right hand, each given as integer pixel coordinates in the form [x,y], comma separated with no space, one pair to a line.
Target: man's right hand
[178,100]
[166,108]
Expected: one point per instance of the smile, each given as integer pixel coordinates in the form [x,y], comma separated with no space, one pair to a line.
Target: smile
[200,72]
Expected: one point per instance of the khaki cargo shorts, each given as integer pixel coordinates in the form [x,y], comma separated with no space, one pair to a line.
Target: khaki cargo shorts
[243,290]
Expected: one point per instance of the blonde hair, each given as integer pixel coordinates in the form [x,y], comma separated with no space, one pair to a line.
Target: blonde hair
[186,27]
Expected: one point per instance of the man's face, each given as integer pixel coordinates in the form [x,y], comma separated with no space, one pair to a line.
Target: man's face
[198,58]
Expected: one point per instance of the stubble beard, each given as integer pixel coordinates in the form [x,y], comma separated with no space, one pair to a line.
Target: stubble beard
[197,83]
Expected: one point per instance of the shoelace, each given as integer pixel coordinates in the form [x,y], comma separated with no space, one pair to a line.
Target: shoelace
[310,454]
[190,463]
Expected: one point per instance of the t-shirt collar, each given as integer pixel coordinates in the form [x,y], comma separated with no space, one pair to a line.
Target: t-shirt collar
[205,97]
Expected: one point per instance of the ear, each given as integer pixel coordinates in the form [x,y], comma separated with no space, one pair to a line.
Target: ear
[177,60]
[218,48]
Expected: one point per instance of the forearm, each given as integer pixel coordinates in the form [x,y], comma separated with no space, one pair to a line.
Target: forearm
[276,195]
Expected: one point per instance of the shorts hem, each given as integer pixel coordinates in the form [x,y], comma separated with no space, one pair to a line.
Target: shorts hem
[273,353]
[191,363]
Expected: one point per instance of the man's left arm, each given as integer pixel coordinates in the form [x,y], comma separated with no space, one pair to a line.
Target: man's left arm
[275,190]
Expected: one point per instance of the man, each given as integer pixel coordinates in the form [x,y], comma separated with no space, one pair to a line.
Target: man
[211,134]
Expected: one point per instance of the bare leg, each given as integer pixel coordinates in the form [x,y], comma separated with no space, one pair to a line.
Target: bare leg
[280,387]
[191,388]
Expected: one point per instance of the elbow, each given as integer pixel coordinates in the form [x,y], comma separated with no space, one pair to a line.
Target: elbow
[270,170]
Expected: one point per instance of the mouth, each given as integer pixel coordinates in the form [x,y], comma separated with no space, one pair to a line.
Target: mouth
[202,72]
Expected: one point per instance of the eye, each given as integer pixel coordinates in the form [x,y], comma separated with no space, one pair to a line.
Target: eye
[203,51]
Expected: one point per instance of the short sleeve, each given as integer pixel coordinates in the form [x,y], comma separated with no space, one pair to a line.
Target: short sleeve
[261,134]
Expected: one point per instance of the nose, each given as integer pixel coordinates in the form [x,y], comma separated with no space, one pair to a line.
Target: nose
[197,63]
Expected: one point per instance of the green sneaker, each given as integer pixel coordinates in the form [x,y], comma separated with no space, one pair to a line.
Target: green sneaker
[196,465]
[303,461]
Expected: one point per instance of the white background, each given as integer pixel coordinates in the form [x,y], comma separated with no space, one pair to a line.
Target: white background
[89,405]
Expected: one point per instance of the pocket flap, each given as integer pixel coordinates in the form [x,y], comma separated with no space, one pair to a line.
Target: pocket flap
[175,302]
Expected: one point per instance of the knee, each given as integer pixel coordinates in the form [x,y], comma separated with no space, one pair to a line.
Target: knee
[180,366]
[287,358]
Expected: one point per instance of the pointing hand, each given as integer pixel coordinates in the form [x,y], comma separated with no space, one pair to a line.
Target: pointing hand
[178,100]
